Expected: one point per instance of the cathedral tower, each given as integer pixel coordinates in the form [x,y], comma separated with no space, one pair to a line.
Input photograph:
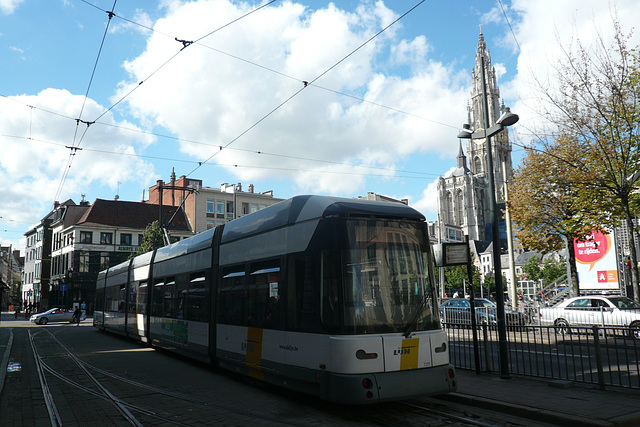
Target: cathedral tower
[477,149]
[463,206]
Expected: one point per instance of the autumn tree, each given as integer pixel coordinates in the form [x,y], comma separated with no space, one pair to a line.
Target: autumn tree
[549,204]
[595,97]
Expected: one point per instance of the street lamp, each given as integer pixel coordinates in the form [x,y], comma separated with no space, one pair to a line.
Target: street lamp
[506,119]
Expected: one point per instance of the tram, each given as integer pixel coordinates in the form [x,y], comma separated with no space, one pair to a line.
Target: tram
[328,296]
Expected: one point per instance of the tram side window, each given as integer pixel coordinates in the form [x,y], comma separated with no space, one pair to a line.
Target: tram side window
[195,297]
[169,307]
[100,298]
[141,303]
[133,297]
[303,294]
[157,297]
[330,290]
[115,298]
[264,295]
[231,297]
[122,298]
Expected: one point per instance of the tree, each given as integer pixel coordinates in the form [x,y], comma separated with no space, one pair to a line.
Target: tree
[548,270]
[456,276]
[549,203]
[152,238]
[597,102]
[532,269]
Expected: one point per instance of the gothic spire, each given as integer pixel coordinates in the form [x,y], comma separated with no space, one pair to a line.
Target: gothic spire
[462,159]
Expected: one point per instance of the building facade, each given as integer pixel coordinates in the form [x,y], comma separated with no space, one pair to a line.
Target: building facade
[89,238]
[208,207]
[11,269]
[37,264]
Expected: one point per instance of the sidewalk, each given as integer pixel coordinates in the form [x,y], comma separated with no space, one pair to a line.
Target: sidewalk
[553,402]
[556,402]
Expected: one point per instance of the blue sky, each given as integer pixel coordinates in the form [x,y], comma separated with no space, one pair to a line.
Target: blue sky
[240,87]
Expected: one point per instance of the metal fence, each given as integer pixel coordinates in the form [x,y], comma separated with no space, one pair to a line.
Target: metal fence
[604,356]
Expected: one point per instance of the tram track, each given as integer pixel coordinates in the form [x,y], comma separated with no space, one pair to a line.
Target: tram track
[113,399]
[72,383]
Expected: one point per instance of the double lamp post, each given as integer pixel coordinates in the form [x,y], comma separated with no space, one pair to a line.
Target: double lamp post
[506,119]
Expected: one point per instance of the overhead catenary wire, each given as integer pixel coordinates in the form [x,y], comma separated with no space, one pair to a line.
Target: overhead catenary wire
[111,14]
[393,172]
[305,85]
[185,44]
[65,172]
[185,140]
[310,83]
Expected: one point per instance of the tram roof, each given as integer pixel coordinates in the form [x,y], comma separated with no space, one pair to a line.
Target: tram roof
[304,208]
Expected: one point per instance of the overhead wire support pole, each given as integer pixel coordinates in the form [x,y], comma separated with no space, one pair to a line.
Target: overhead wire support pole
[506,119]
[497,264]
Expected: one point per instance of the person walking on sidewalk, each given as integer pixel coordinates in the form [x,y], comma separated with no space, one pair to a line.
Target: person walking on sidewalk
[77,315]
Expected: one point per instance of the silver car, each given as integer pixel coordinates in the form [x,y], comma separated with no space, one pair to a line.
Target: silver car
[53,315]
[590,310]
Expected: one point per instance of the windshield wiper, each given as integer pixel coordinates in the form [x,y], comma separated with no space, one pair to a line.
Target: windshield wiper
[414,319]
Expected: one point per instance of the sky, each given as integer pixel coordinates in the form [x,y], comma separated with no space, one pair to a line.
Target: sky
[101,98]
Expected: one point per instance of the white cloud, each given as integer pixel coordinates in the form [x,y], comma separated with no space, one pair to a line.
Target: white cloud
[35,154]
[8,6]
[207,96]
[143,23]
[428,203]
[543,28]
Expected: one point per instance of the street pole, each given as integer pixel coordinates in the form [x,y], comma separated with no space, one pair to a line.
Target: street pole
[512,266]
[497,264]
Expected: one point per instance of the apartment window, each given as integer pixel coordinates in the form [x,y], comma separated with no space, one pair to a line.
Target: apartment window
[140,239]
[210,208]
[254,207]
[106,238]
[210,225]
[84,262]
[220,208]
[86,237]
[125,239]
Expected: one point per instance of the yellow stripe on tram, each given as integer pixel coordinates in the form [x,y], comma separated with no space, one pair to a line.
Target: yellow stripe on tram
[254,353]
[409,354]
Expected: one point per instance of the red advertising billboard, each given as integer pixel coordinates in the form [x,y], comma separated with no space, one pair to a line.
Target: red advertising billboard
[596,262]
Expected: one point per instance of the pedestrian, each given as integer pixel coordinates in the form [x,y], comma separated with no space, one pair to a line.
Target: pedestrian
[77,315]
[455,294]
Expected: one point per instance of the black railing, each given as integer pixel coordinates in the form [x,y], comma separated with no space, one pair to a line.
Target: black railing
[604,356]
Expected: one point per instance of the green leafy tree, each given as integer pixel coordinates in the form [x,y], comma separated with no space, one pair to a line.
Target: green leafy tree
[548,270]
[553,269]
[456,276]
[532,269]
[152,238]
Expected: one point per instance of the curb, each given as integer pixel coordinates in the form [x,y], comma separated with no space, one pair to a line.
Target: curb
[526,411]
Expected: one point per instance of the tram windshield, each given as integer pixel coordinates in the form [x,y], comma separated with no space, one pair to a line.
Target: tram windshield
[385,278]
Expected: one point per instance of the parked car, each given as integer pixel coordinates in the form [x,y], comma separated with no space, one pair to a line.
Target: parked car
[458,311]
[53,315]
[590,310]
